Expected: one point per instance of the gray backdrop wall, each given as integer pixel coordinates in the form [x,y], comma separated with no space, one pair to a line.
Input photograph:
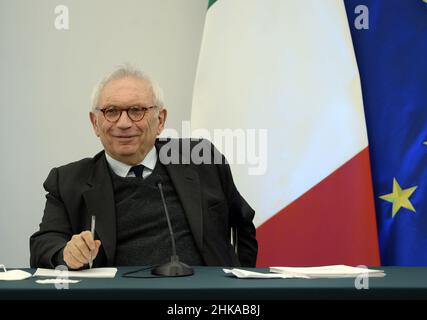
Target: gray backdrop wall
[46,79]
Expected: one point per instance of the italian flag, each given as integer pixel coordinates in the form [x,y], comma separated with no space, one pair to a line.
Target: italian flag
[287,68]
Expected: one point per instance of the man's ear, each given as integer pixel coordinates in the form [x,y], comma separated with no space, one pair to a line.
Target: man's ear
[163,113]
[94,121]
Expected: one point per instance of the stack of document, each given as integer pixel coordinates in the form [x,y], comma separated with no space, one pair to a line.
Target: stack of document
[240,273]
[88,273]
[335,271]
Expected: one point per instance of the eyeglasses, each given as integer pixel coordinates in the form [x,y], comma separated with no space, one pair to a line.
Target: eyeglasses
[113,114]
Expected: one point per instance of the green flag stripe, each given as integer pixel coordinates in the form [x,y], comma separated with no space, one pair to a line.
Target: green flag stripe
[211,2]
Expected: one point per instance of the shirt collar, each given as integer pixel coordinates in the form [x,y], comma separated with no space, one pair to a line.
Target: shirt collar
[122,169]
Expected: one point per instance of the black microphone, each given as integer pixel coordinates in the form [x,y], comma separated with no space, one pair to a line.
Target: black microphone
[174,268]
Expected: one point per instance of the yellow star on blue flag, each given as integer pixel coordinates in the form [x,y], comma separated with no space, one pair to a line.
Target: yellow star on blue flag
[399,197]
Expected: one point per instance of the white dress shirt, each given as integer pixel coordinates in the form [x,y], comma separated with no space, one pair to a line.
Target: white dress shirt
[123,169]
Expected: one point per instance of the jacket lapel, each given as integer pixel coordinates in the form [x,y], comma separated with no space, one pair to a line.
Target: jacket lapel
[99,199]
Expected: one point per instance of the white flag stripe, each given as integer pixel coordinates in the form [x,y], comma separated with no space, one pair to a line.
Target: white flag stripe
[289,67]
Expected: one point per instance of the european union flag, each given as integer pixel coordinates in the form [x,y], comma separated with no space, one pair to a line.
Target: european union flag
[392,58]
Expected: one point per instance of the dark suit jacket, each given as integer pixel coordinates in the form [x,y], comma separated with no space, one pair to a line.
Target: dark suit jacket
[208,195]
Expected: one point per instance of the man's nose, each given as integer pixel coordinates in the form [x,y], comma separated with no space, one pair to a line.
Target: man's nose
[124,121]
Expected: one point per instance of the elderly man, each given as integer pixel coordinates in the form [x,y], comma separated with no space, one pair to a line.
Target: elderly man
[118,187]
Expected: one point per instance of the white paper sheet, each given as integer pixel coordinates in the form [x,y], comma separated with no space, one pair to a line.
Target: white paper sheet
[14,275]
[57,281]
[88,273]
[334,271]
[240,273]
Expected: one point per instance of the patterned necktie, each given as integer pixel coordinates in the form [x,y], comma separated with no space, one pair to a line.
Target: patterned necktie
[137,170]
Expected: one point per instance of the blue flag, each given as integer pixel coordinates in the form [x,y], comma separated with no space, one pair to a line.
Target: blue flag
[390,43]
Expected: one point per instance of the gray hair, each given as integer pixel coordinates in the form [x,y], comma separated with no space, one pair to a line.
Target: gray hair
[125,71]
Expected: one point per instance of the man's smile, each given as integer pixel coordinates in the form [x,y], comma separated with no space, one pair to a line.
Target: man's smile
[124,136]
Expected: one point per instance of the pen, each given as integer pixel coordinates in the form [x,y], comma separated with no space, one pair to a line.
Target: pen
[92,230]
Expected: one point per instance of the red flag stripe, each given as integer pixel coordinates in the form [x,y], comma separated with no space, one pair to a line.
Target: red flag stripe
[332,223]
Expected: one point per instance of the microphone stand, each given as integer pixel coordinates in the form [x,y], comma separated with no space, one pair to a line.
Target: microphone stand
[174,268]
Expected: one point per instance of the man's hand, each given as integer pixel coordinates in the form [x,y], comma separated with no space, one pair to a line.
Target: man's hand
[80,249]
